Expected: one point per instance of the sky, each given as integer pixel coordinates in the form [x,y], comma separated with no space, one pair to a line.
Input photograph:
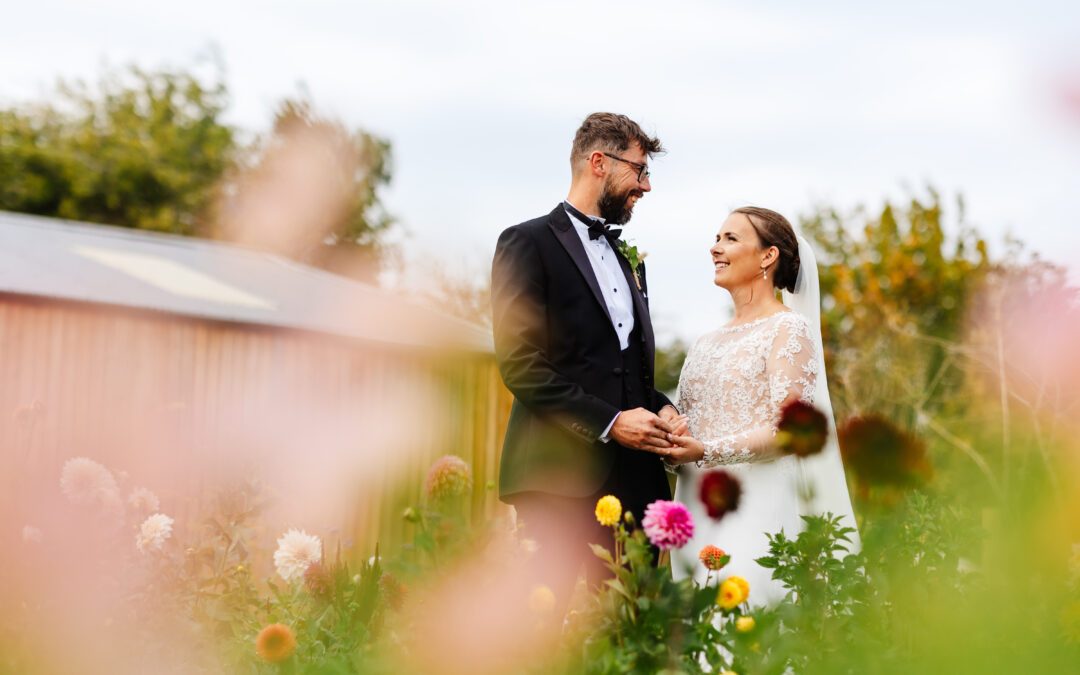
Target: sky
[788,105]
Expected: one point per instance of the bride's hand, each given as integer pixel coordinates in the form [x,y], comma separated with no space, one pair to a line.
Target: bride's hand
[685,449]
[679,425]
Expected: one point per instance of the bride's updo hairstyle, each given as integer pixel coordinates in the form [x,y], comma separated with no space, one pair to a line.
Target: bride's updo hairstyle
[774,230]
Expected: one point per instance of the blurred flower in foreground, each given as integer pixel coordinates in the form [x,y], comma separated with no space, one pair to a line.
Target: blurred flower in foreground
[153,533]
[608,510]
[880,453]
[393,590]
[541,600]
[28,413]
[296,551]
[667,524]
[85,481]
[733,592]
[719,492]
[744,624]
[275,643]
[713,558]
[319,581]
[802,429]
[448,477]
[32,534]
[143,501]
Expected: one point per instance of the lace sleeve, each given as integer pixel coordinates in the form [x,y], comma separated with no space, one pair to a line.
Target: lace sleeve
[792,365]
[791,369]
[747,446]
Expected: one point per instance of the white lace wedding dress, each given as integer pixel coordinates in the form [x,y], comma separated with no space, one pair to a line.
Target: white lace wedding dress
[732,386]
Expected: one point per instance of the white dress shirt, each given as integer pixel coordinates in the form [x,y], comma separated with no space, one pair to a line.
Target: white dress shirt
[613,286]
[609,274]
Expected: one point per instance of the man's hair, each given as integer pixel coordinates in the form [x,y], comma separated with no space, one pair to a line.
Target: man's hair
[608,132]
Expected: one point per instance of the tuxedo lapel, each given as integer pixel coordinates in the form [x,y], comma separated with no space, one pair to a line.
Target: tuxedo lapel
[641,308]
[568,237]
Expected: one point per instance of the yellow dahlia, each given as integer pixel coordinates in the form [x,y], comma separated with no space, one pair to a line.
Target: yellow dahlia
[729,595]
[608,510]
[744,624]
[743,585]
[275,643]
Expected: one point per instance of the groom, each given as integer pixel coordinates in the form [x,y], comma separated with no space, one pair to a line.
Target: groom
[574,345]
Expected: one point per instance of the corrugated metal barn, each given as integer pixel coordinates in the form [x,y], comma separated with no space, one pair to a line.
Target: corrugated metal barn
[133,347]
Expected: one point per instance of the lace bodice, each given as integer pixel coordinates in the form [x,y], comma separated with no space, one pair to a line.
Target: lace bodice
[735,380]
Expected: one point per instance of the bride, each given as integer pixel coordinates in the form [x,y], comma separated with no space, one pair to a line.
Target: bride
[733,385]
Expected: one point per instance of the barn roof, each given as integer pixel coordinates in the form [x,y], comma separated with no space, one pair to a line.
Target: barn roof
[82,262]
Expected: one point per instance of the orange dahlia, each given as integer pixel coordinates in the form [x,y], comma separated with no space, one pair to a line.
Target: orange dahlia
[713,558]
[448,477]
[275,643]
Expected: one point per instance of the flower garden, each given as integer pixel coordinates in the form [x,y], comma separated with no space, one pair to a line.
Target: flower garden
[935,587]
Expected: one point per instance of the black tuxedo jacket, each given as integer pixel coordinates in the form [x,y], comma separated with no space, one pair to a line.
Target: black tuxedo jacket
[559,355]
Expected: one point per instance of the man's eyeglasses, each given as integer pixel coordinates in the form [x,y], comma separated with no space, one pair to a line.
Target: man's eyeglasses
[642,169]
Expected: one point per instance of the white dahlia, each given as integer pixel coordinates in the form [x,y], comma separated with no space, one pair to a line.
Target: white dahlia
[84,481]
[143,501]
[153,532]
[296,551]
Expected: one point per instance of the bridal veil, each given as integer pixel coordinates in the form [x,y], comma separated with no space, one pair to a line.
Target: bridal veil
[822,473]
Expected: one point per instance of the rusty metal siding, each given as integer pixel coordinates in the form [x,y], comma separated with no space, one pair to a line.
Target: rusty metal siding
[121,385]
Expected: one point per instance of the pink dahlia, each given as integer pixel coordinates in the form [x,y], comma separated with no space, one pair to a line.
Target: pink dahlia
[667,524]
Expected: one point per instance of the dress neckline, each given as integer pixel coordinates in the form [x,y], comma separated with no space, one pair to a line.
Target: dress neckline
[749,324]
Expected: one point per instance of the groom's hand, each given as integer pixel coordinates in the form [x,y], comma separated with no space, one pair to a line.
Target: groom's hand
[642,430]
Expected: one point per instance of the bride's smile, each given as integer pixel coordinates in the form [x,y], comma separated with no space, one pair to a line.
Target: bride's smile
[738,256]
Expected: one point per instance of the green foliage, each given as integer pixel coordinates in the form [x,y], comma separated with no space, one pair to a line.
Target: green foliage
[142,150]
[668,366]
[643,621]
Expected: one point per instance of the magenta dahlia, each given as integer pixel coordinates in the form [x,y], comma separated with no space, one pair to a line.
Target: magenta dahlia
[667,524]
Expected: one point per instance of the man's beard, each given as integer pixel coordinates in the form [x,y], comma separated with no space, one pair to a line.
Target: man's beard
[615,208]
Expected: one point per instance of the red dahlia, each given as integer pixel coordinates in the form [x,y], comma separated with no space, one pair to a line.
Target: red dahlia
[719,493]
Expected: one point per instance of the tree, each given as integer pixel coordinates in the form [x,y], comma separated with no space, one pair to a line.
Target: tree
[149,150]
[894,295]
[668,367]
[312,193]
[144,150]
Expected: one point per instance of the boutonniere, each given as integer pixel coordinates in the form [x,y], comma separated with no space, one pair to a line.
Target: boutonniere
[633,257]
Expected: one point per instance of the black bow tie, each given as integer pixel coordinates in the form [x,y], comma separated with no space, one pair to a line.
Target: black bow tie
[597,229]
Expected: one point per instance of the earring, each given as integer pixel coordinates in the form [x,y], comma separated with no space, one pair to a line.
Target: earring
[765,273]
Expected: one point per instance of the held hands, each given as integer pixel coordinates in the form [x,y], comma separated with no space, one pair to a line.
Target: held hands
[642,430]
[665,434]
[679,423]
[684,448]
